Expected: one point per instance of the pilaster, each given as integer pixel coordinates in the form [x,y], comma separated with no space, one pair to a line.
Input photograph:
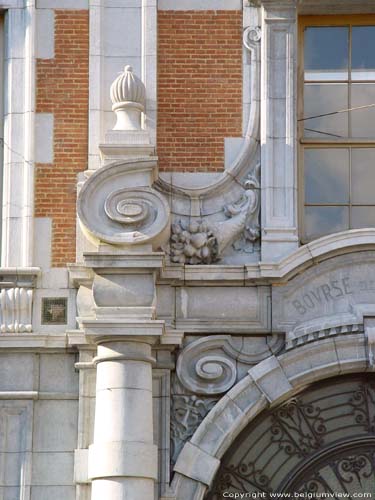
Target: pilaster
[278,129]
[18,143]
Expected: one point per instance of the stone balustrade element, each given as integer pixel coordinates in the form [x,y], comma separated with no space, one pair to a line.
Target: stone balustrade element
[16,299]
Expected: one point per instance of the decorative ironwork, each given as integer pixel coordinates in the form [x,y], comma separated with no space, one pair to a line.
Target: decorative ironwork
[298,428]
[363,403]
[322,441]
[352,471]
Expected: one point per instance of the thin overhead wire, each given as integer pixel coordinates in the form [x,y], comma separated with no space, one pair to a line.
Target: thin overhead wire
[337,112]
[321,132]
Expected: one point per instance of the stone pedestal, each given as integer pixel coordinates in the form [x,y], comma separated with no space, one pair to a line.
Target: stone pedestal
[123,458]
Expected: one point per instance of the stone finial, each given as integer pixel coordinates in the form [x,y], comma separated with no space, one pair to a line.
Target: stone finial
[128,96]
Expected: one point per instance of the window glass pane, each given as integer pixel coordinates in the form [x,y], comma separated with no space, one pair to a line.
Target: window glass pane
[327,175]
[363,120]
[325,220]
[326,53]
[320,99]
[363,217]
[363,53]
[363,176]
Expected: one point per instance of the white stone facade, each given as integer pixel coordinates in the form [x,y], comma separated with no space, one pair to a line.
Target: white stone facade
[191,307]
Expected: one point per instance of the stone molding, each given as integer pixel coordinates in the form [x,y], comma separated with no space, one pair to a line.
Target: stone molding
[354,240]
[270,382]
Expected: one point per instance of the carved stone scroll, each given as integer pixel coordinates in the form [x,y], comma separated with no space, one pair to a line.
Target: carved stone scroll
[209,365]
[112,212]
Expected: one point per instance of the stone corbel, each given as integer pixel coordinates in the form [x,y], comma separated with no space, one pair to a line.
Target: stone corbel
[209,365]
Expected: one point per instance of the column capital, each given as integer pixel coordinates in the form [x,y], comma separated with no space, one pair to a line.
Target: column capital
[100,331]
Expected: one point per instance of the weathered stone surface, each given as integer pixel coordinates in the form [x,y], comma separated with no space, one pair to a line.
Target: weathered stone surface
[335,293]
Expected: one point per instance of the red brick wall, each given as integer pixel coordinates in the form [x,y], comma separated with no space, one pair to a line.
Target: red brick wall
[199,87]
[62,89]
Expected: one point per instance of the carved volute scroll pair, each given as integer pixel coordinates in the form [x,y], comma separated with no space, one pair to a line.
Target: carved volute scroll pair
[111,212]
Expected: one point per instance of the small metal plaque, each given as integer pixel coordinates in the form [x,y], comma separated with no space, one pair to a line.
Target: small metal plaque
[54,310]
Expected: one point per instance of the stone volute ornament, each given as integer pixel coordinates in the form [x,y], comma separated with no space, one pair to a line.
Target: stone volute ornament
[128,96]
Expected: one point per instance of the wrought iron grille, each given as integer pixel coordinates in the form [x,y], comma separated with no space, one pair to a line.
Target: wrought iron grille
[321,441]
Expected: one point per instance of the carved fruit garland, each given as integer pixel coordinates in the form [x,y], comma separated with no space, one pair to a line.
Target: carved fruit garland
[194,243]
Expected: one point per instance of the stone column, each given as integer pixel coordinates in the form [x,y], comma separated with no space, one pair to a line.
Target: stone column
[123,457]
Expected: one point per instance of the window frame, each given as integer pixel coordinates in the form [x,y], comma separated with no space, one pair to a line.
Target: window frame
[315,142]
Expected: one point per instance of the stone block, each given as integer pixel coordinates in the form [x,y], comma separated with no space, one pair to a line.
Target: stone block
[196,464]
[352,352]
[11,492]
[45,39]
[200,5]
[42,242]
[57,373]
[55,425]
[53,493]
[44,137]
[271,379]
[119,458]
[53,469]
[117,375]
[12,377]
[62,4]
[122,32]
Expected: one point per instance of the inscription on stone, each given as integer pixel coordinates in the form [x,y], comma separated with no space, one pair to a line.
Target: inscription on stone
[330,293]
[325,292]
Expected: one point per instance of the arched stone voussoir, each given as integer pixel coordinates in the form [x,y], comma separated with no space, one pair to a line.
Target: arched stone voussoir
[268,383]
[326,247]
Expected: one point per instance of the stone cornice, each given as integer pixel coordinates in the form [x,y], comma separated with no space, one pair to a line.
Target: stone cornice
[355,240]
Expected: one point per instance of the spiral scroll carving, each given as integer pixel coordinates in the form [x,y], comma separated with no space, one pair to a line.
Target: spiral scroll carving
[251,35]
[209,365]
[205,374]
[124,216]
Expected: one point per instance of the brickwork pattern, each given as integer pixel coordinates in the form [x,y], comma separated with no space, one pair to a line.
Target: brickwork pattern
[62,89]
[199,87]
